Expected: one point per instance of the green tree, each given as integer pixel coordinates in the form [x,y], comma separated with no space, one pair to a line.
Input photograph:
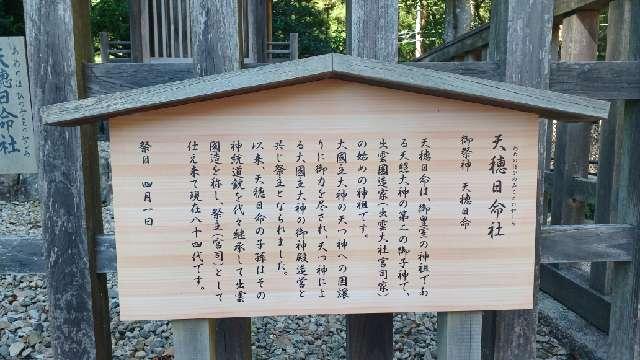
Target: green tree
[110,16]
[11,18]
[319,23]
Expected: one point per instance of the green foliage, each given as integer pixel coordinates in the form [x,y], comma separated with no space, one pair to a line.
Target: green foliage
[432,24]
[319,23]
[111,16]
[11,18]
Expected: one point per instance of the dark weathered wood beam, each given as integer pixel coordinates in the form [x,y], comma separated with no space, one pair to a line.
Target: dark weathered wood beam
[57,35]
[579,43]
[586,243]
[573,292]
[479,69]
[564,8]
[473,40]
[609,138]
[624,338]
[597,79]
[113,77]
[559,244]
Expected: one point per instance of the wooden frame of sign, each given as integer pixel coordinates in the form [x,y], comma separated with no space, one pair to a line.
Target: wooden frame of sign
[326,185]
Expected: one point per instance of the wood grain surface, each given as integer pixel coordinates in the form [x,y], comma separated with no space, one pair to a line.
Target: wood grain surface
[468,269]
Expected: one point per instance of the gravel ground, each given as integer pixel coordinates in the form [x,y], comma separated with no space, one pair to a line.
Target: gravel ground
[24,323]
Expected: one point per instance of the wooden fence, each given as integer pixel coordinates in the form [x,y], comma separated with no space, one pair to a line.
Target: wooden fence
[160,31]
[77,254]
[568,184]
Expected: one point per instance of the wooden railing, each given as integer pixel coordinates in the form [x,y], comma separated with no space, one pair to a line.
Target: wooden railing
[287,48]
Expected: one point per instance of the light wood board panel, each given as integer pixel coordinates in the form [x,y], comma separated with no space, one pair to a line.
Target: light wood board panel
[466,268]
[18,152]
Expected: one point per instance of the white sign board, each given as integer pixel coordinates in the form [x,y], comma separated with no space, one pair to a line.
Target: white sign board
[17,143]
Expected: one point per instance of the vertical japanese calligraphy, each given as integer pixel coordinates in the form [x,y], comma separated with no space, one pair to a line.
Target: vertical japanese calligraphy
[497,168]
[238,207]
[17,144]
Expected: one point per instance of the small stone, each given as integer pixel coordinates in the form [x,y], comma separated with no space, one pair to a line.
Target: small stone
[140,355]
[4,324]
[157,343]
[139,345]
[34,338]
[26,352]
[15,348]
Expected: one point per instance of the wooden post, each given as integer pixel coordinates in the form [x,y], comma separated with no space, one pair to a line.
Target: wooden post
[215,36]
[512,47]
[458,18]
[372,32]
[609,151]
[104,47]
[135,29]
[69,183]
[580,43]
[459,335]
[293,46]
[215,49]
[372,29]
[144,30]
[624,337]
[257,30]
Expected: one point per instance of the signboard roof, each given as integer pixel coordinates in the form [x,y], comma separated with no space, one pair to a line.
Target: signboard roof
[545,103]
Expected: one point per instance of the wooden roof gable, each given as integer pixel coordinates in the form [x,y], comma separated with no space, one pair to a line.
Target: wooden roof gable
[549,104]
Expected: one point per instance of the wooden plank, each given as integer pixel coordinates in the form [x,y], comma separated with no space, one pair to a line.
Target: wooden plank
[470,89]
[370,336]
[104,47]
[188,27]
[192,339]
[556,105]
[257,29]
[144,30]
[372,29]
[479,69]
[136,29]
[71,211]
[624,339]
[155,13]
[406,115]
[172,30]
[163,27]
[459,335]
[180,28]
[597,79]
[215,50]
[565,8]
[293,46]
[515,331]
[573,141]
[19,154]
[558,244]
[586,243]
[111,78]
[608,156]
[600,79]
[574,292]
[473,40]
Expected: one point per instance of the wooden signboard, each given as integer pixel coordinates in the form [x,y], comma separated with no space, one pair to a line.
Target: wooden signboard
[324,197]
[17,145]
